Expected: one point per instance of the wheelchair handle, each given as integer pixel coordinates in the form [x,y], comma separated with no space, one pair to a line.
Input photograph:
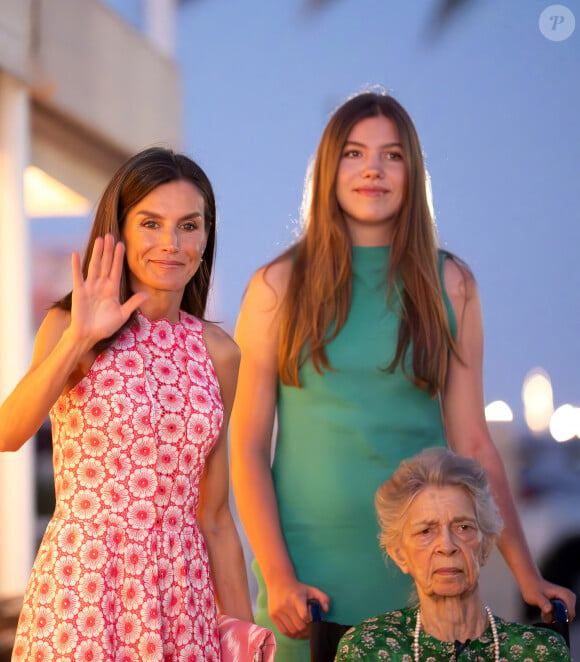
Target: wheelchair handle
[316,613]
[559,611]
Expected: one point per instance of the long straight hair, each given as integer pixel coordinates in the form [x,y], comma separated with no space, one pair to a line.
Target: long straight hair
[318,297]
[134,180]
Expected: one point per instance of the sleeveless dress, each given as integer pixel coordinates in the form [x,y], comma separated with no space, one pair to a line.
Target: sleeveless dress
[339,437]
[122,573]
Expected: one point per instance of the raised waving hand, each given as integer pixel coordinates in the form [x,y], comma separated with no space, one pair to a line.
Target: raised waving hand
[62,351]
[96,311]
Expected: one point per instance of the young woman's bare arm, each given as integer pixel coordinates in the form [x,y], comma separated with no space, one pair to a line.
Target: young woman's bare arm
[252,425]
[467,434]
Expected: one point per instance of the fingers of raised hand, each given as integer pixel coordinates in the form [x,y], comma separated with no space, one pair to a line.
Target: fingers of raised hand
[77,274]
[109,250]
[95,261]
[116,268]
[106,257]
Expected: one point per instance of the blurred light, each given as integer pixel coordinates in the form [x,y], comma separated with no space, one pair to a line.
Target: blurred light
[429,189]
[46,196]
[498,410]
[564,423]
[538,400]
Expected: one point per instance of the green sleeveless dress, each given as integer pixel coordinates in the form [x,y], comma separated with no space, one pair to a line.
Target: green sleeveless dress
[339,437]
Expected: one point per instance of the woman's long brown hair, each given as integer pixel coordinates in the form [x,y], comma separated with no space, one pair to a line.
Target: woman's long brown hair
[318,297]
[134,180]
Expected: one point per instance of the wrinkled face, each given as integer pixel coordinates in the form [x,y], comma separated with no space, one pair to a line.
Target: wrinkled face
[165,237]
[372,179]
[441,544]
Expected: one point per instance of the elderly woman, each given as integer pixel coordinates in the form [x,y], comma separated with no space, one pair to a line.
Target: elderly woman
[439,523]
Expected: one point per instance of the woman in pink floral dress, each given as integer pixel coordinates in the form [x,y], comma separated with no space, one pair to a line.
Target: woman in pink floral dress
[139,389]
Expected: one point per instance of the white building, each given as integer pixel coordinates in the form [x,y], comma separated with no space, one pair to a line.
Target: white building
[80,90]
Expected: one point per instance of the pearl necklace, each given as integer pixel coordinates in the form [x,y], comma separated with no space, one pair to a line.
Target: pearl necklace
[491,623]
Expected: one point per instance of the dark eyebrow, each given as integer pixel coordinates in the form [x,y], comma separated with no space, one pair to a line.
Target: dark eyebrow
[187,217]
[354,142]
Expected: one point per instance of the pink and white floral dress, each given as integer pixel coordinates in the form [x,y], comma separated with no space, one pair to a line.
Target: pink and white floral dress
[122,573]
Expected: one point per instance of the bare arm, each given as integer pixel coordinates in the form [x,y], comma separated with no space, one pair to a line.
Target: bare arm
[56,356]
[252,425]
[224,548]
[467,434]
[64,343]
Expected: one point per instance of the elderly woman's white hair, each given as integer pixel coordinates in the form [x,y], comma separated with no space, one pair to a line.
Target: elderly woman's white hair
[435,467]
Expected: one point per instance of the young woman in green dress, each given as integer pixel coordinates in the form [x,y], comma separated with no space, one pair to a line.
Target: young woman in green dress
[365,342]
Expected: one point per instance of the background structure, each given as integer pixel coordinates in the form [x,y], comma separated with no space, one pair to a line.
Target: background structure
[246,88]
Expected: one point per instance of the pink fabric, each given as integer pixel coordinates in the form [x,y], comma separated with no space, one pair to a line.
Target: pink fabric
[122,573]
[245,642]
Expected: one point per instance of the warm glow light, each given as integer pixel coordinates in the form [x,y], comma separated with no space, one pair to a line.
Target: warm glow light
[564,423]
[498,410]
[538,400]
[46,196]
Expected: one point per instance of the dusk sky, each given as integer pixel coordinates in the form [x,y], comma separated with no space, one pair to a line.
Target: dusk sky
[496,104]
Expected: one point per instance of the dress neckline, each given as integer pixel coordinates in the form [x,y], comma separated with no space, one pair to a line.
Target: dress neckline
[159,320]
[490,626]
[371,250]
[370,263]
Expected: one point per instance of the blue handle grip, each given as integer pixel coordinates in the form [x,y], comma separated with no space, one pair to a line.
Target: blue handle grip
[316,612]
[559,611]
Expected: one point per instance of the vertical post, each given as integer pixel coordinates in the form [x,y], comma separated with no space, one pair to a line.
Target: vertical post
[16,469]
[160,16]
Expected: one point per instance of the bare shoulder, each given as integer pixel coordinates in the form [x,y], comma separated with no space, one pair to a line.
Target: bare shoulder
[268,285]
[460,283]
[222,348]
